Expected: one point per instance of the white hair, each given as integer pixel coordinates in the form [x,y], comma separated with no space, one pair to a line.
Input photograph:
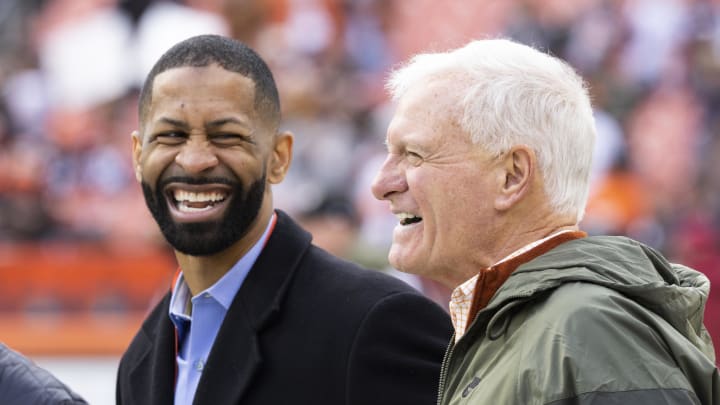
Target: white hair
[511,94]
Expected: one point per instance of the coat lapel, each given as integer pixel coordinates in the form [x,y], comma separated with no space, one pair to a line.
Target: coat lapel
[231,365]
[152,376]
[236,355]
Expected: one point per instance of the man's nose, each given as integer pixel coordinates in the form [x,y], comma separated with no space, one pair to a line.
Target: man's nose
[388,180]
[196,156]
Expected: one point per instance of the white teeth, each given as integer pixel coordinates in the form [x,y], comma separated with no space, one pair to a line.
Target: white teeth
[182,207]
[404,215]
[189,196]
[406,218]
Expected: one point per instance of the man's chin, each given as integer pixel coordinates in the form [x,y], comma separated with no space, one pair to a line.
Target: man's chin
[195,248]
[400,262]
[197,239]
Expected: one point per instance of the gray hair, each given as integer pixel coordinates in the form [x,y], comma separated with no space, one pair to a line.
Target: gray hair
[511,94]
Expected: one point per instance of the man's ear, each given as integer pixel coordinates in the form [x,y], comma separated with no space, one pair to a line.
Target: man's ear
[280,158]
[136,152]
[519,166]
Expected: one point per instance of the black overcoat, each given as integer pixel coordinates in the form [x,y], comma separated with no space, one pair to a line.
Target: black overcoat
[304,328]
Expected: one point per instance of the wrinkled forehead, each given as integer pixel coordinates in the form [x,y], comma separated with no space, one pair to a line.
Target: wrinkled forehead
[213,92]
[436,104]
[427,120]
[436,98]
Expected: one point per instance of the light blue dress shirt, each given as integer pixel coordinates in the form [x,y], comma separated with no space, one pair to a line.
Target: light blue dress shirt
[197,331]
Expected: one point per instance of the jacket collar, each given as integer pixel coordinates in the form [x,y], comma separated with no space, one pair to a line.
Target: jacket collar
[491,278]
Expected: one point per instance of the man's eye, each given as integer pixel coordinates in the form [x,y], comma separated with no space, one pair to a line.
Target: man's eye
[230,138]
[413,158]
[170,138]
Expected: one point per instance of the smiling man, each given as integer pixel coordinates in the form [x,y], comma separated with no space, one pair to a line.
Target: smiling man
[487,171]
[257,314]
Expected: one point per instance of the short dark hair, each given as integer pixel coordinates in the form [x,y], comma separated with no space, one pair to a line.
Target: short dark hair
[231,55]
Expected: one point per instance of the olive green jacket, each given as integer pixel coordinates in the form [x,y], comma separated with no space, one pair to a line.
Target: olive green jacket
[598,320]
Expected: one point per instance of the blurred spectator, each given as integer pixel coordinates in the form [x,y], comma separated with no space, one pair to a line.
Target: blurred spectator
[165,23]
[83,48]
[333,225]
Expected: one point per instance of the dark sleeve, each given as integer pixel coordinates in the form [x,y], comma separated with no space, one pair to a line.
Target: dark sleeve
[396,356]
[23,382]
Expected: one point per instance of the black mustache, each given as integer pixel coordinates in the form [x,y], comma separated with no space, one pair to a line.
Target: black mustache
[196,181]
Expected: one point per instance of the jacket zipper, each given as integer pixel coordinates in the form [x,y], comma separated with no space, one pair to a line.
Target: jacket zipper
[451,348]
[444,368]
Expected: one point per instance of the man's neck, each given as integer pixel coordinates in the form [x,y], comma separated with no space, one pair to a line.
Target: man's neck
[201,272]
[521,239]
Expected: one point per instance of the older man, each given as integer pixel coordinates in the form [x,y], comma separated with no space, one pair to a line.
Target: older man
[489,153]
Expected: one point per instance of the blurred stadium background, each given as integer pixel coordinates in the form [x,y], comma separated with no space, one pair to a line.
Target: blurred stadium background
[81,260]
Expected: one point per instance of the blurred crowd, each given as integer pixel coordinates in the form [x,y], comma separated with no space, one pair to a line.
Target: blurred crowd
[70,72]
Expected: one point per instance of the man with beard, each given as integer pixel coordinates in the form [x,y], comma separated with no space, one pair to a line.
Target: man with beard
[257,314]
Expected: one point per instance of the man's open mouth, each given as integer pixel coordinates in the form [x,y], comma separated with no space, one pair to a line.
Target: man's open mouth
[407,218]
[190,201]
